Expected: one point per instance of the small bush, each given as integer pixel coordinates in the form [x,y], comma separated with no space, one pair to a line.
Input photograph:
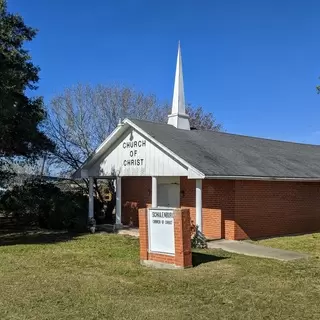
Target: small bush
[198,239]
[45,205]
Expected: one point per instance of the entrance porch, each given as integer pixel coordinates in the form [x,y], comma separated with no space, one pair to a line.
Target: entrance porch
[133,193]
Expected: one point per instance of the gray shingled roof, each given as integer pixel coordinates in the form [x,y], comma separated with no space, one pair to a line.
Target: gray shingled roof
[224,154]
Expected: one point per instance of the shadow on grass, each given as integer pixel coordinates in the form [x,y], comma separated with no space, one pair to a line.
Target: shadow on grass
[11,237]
[199,258]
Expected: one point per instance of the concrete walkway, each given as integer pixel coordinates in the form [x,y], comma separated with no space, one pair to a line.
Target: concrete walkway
[124,230]
[133,232]
[250,249]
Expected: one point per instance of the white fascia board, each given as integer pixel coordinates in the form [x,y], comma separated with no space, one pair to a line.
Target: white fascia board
[193,173]
[117,132]
[82,172]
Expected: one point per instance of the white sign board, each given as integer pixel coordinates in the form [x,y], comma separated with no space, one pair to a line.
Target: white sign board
[161,230]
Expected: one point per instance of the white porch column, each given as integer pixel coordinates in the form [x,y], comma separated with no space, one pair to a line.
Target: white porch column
[154,202]
[118,202]
[91,200]
[199,204]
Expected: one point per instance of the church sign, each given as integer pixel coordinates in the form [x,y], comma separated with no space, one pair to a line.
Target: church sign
[165,237]
[133,155]
[161,231]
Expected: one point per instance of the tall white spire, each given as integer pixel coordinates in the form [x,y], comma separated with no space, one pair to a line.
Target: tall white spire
[178,117]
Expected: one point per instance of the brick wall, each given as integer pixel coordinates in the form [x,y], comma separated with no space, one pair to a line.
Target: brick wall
[270,208]
[136,193]
[217,204]
[238,209]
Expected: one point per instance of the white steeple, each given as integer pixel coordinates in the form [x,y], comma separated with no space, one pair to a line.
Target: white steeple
[178,117]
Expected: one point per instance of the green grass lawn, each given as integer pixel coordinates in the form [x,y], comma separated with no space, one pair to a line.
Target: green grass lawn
[99,277]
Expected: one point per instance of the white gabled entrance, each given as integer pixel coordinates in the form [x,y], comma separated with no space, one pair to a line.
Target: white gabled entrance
[133,154]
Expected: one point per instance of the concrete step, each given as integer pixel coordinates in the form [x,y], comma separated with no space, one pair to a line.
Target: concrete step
[105,227]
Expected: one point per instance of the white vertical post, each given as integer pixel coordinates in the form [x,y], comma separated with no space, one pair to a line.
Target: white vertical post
[199,204]
[154,202]
[91,200]
[118,201]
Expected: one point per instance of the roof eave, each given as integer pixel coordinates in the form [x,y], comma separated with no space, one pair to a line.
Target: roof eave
[261,178]
[82,172]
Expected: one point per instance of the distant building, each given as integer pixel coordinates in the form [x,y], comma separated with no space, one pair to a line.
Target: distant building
[63,183]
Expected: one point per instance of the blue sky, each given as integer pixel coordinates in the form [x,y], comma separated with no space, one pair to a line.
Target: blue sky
[253,63]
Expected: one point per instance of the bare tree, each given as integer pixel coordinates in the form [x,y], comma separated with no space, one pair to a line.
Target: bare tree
[83,116]
[201,120]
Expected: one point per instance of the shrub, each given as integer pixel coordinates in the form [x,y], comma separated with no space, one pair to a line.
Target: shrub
[45,205]
[198,239]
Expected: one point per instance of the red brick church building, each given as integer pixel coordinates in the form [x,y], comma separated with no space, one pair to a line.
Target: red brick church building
[236,187]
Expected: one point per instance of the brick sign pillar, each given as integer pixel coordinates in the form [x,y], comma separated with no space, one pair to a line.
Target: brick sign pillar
[165,237]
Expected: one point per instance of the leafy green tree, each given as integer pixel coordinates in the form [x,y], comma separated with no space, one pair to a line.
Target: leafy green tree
[20,115]
[45,205]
